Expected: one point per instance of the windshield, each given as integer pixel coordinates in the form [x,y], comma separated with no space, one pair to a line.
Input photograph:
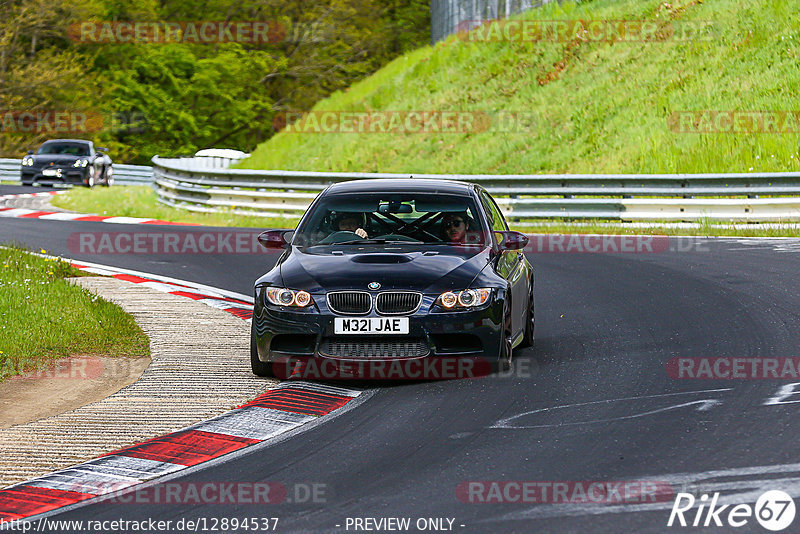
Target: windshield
[373,218]
[67,149]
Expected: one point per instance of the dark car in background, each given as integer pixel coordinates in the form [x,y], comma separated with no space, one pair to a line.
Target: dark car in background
[394,270]
[67,161]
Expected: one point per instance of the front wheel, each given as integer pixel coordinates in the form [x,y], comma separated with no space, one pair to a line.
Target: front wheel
[530,321]
[89,182]
[259,368]
[503,362]
[109,177]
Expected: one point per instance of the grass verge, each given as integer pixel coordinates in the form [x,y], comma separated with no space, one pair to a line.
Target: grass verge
[43,317]
[141,201]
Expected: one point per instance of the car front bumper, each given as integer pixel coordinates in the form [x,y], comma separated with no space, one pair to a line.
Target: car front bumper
[67,175]
[284,336]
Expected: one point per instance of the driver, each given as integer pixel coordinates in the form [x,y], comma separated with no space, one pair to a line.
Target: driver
[455,226]
[351,222]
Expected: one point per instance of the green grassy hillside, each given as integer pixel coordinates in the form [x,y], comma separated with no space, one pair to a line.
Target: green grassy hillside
[597,106]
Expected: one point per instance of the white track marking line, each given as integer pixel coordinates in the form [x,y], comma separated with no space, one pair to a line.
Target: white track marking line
[126,220]
[213,291]
[506,422]
[16,212]
[60,216]
[141,468]
[224,304]
[252,422]
[698,483]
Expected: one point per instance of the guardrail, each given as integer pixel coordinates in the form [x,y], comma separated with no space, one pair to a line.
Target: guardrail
[133,174]
[123,174]
[450,16]
[9,169]
[180,183]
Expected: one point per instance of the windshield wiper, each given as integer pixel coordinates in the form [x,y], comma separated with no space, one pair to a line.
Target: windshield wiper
[456,243]
[379,242]
[366,242]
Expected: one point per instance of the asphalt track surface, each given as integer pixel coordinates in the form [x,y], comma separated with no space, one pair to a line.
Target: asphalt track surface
[604,407]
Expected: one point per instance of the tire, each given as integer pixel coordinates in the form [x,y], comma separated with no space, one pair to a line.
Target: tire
[108,175]
[530,322]
[259,368]
[503,362]
[90,172]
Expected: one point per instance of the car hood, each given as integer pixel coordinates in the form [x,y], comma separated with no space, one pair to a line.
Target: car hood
[431,270]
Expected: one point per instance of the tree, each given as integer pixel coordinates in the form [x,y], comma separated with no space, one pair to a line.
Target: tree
[176,98]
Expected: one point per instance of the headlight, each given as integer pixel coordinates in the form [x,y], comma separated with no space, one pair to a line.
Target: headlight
[81,163]
[280,296]
[27,161]
[467,298]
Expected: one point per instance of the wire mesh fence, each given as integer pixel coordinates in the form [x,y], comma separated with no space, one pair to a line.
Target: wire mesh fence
[451,16]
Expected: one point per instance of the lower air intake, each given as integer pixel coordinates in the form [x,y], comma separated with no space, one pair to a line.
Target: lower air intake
[364,349]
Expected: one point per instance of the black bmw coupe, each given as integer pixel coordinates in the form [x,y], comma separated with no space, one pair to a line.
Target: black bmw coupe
[394,272]
[67,161]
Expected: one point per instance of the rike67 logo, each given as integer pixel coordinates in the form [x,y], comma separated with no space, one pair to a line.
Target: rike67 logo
[774,510]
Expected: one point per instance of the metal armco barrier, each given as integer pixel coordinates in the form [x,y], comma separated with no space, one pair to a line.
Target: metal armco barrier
[451,16]
[9,169]
[123,174]
[629,197]
[133,174]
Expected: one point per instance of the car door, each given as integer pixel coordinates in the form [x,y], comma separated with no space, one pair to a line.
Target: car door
[511,266]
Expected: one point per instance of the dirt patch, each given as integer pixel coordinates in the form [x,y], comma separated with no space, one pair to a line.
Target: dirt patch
[570,51]
[674,9]
[65,385]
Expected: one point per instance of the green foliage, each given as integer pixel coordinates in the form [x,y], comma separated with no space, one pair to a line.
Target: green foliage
[175,98]
[189,102]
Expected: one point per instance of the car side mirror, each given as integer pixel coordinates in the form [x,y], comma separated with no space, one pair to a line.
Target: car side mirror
[30,152]
[275,238]
[511,240]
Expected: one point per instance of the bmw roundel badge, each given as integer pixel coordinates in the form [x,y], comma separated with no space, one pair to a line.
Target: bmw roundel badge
[374,285]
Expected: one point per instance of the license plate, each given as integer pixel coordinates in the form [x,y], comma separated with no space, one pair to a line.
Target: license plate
[49,172]
[370,325]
